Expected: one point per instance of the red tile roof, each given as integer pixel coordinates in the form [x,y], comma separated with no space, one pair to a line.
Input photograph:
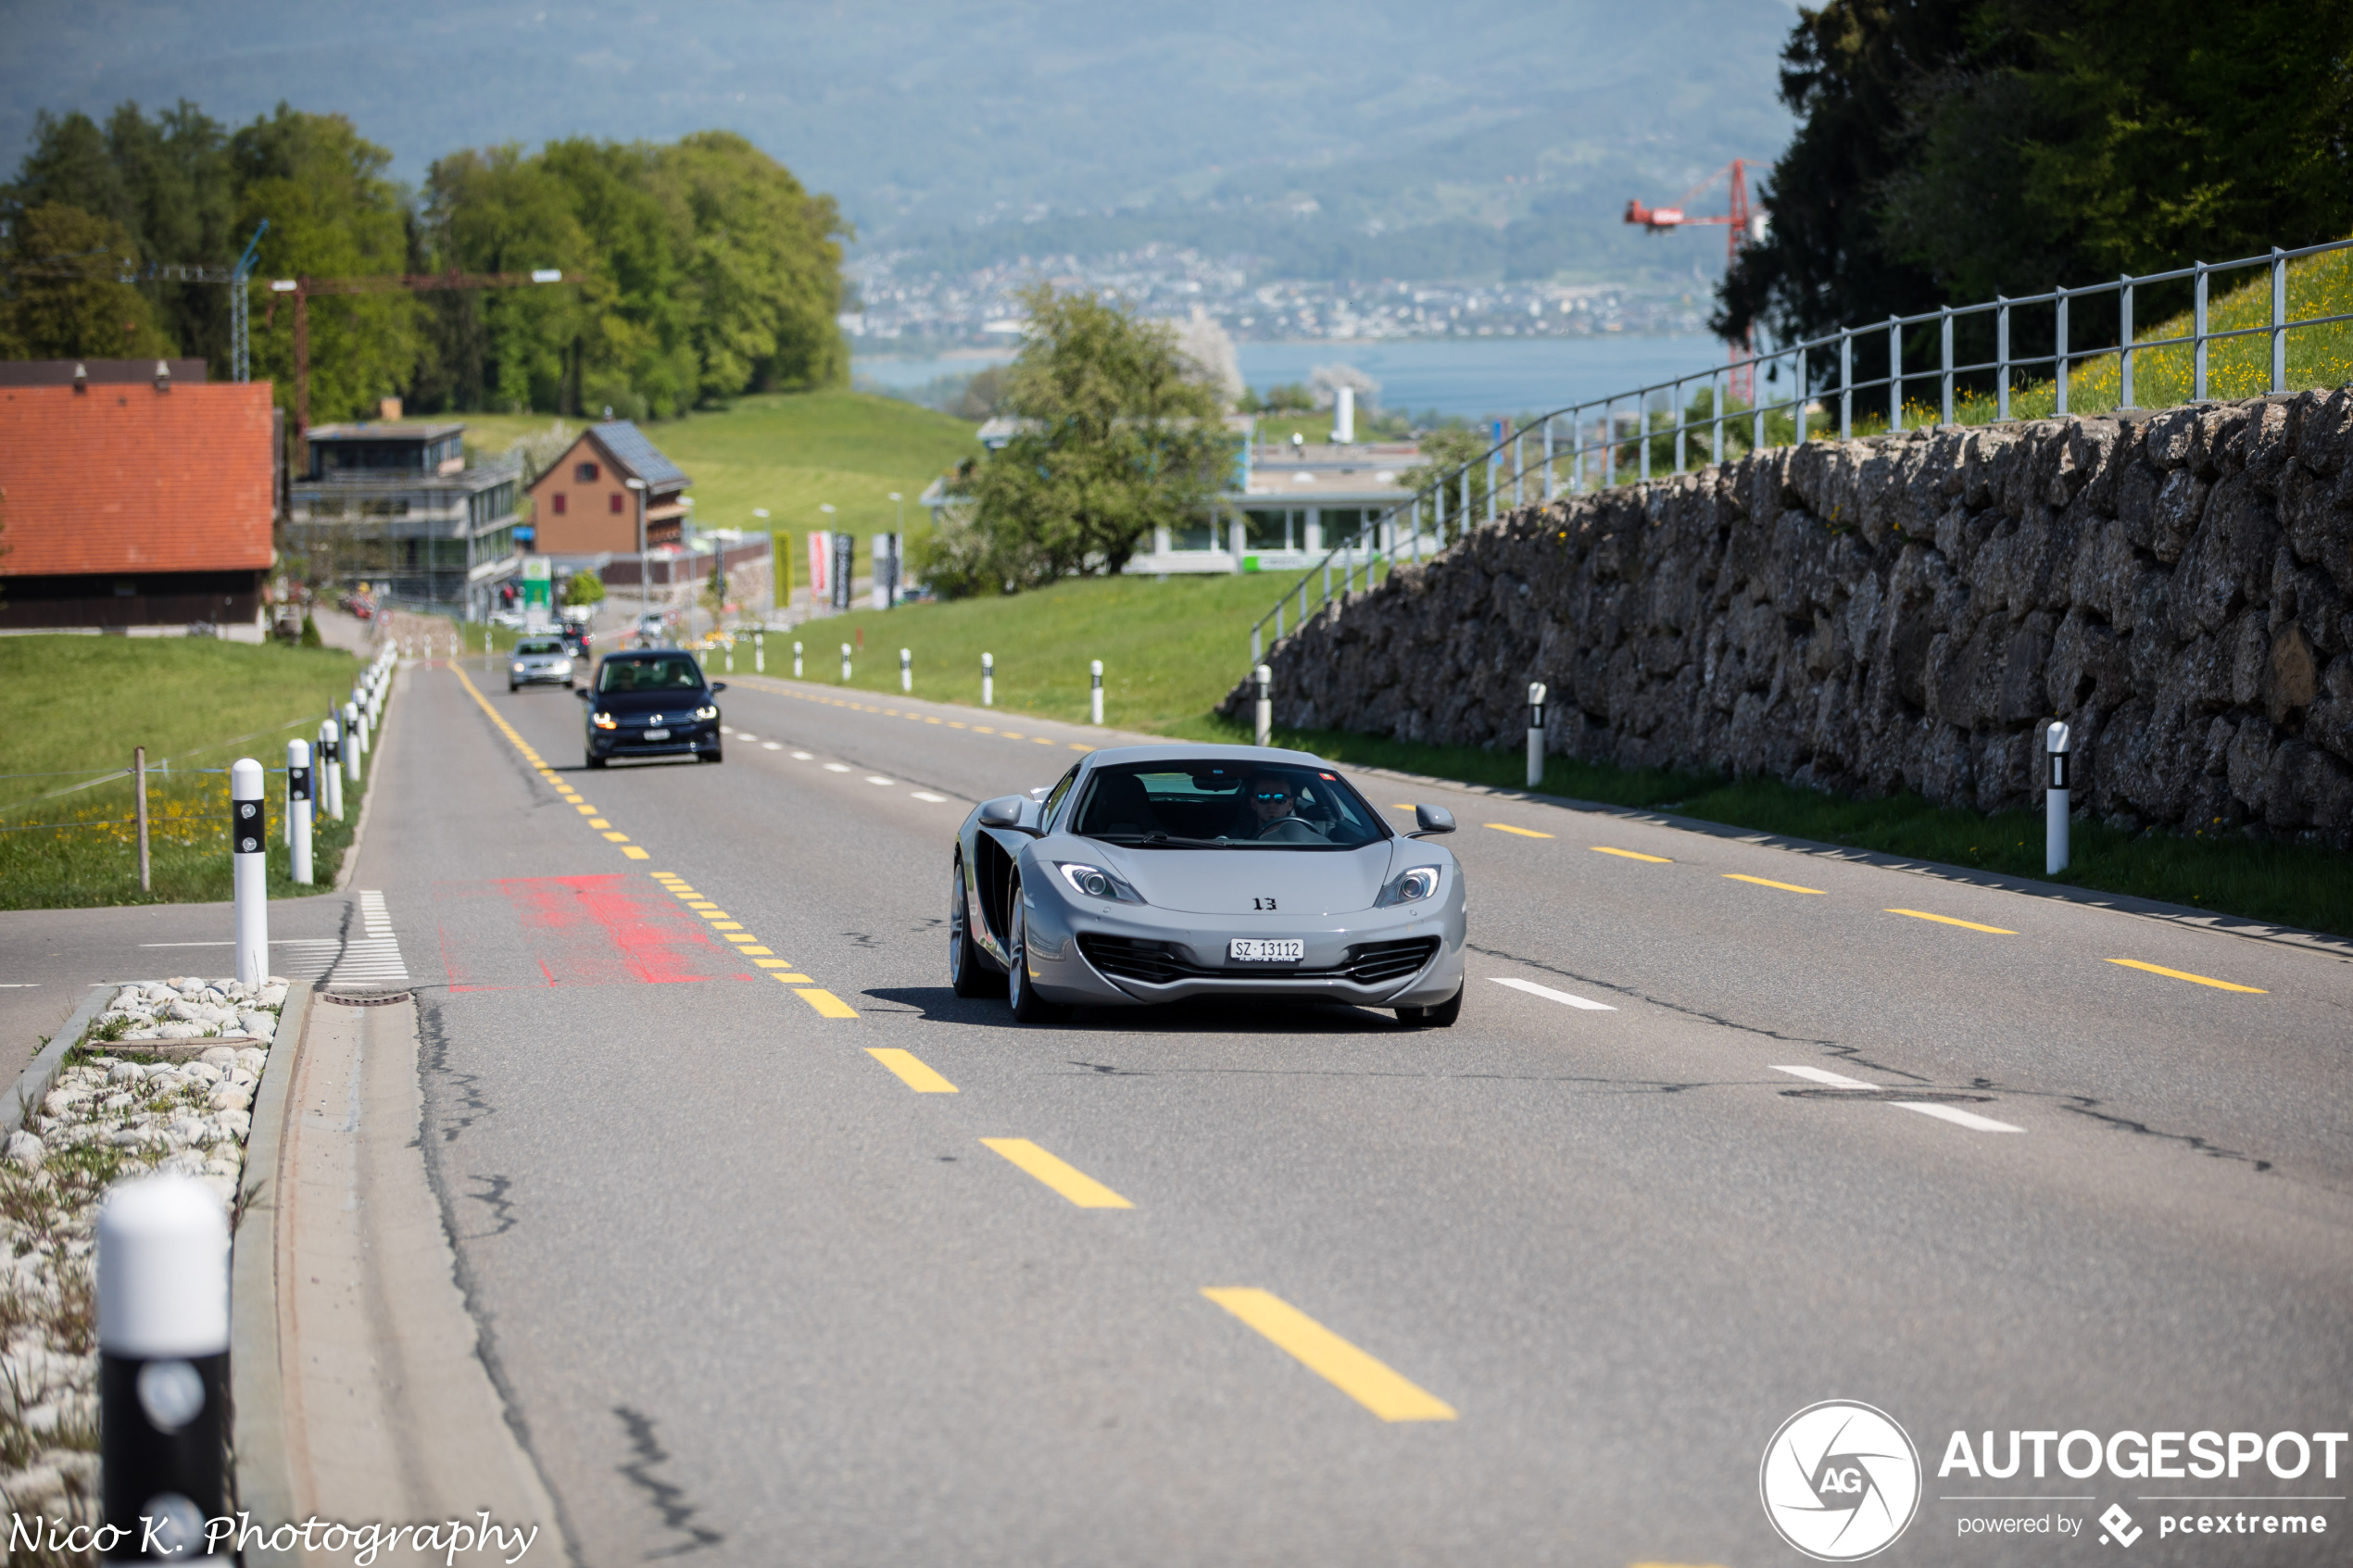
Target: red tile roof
[127,479]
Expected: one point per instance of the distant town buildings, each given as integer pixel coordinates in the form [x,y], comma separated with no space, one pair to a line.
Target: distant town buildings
[930,309]
[133,496]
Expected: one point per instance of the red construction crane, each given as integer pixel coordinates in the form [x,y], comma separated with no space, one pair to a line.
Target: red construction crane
[1740,223]
[414,283]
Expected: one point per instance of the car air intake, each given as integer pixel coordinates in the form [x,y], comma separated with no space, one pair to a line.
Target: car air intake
[1156,963]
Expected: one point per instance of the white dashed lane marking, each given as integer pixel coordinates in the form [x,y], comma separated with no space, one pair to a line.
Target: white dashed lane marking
[887,783]
[1956,1116]
[1552,996]
[1832,1080]
[836,768]
[926,795]
[770,745]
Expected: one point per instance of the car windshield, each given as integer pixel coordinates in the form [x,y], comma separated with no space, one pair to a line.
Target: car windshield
[673,673]
[539,644]
[1226,805]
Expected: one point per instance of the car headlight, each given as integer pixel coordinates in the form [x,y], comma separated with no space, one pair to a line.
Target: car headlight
[1410,888]
[1097,883]
[518,666]
[602,720]
[706,713]
[563,667]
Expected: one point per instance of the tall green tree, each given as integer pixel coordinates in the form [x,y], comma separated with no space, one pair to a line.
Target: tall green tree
[64,301]
[1117,437]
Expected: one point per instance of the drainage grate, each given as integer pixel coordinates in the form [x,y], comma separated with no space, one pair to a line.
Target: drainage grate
[374,1001]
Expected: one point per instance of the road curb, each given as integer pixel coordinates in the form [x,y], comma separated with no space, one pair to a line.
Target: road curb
[32,1083]
[256,1391]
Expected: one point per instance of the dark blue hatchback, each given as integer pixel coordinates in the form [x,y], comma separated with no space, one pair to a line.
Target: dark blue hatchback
[652,702]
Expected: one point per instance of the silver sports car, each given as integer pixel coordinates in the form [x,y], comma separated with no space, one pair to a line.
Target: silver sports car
[1154,874]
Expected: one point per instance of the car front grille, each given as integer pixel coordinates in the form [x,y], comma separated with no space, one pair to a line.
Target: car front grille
[1156,963]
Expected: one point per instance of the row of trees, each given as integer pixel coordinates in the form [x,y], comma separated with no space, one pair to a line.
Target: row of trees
[707,269]
[1948,150]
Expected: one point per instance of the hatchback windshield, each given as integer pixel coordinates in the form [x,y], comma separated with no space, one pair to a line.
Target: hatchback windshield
[671,672]
[1226,805]
[539,644]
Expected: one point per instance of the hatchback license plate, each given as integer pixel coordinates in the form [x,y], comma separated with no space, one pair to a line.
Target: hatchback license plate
[657,735]
[1252,949]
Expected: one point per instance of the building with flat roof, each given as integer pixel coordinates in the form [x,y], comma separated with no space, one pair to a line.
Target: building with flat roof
[131,505]
[395,507]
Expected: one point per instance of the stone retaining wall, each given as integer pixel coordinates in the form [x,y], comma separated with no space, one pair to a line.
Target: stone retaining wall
[1908,611]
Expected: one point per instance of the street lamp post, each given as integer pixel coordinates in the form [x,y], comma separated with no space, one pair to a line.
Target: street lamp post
[645,571]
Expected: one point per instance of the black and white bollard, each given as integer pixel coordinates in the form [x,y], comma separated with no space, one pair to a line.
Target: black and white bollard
[1265,728]
[351,742]
[1535,733]
[163,1368]
[299,777]
[844,664]
[988,680]
[759,654]
[2055,742]
[796,662]
[328,776]
[1095,695]
[249,858]
[906,671]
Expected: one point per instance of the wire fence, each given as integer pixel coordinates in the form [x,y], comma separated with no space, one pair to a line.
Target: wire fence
[1603,441]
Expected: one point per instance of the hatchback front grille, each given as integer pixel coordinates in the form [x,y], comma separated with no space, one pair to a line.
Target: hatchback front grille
[1156,963]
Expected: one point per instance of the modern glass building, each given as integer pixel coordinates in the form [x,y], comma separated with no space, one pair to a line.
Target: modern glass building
[395,506]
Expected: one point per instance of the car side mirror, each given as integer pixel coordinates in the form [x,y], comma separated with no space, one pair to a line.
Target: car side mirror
[1431,820]
[584,694]
[718,685]
[1008,812]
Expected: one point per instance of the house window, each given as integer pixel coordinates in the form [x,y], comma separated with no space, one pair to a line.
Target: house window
[1284,530]
[616,501]
[583,473]
[559,499]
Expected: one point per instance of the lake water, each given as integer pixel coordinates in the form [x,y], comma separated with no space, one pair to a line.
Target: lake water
[1473,378]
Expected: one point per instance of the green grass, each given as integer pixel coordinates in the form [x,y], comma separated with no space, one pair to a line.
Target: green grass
[78,705]
[789,452]
[1170,651]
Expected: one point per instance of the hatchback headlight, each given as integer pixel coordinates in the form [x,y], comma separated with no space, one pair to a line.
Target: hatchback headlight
[1097,883]
[1410,888]
[706,713]
[518,666]
[561,666]
[603,720]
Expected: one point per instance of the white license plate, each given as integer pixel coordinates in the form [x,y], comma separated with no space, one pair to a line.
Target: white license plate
[1252,949]
[657,735]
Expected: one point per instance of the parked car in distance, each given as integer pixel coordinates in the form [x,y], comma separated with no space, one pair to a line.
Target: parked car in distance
[539,660]
[651,702]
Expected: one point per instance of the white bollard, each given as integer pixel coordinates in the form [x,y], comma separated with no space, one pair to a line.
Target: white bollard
[731,659]
[759,654]
[1265,674]
[350,743]
[163,1366]
[299,786]
[249,858]
[988,680]
[1096,695]
[1535,734]
[844,664]
[2054,741]
[329,773]
[796,662]
[906,671]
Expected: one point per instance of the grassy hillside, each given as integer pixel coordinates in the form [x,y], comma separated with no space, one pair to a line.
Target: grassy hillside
[789,452]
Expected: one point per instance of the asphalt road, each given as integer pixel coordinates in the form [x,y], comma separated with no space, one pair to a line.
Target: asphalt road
[1537,1289]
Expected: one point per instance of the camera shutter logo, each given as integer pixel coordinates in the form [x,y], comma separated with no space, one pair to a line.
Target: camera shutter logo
[1841,1481]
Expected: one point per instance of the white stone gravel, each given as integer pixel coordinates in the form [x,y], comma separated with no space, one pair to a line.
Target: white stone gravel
[105,1119]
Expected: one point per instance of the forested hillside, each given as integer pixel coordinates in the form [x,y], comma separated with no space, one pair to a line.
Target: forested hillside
[704,269]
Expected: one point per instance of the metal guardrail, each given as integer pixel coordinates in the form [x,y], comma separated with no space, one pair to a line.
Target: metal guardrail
[1402,533]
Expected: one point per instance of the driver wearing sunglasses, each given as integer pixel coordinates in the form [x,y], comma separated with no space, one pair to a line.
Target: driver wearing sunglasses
[1270,800]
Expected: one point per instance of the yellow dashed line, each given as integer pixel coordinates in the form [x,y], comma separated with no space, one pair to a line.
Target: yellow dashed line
[599,822]
[1072,1182]
[912,1073]
[1371,1382]
[2186,974]
[616,838]
[1524,833]
[1630,855]
[636,853]
[1948,920]
[826,1002]
[1784,887]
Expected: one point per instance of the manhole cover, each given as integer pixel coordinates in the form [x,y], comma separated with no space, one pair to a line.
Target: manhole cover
[380,1000]
[1934,1096]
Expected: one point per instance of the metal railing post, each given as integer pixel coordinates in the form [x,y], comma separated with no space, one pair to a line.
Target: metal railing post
[2060,354]
[1463,516]
[1715,409]
[1756,419]
[1946,324]
[1895,375]
[1803,419]
[2124,336]
[1609,443]
[1643,436]
[1846,385]
[2197,336]
[1494,480]
[2279,320]
[1683,421]
[2001,357]
[1519,469]
[1548,457]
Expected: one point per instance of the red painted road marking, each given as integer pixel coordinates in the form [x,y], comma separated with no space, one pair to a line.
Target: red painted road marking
[615,928]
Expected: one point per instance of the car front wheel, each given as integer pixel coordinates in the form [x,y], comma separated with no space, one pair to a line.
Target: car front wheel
[1028,1005]
[1442,1016]
[967,973]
